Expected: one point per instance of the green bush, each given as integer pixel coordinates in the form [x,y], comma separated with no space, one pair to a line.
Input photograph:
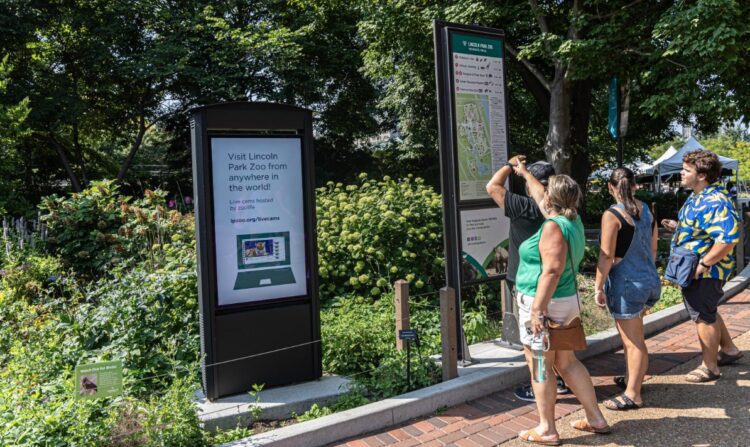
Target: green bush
[480,310]
[168,419]
[670,296]
[98,229]
[52,321]
[357,334]
[148,320]
[31,277]
[373,233]
[390,377]
[221,436]
[36,399]
[51,418]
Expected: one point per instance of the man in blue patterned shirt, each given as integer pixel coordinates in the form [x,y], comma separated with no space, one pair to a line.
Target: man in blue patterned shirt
[709,226]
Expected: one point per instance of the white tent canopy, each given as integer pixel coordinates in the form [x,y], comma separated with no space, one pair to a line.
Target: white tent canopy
[673,164]
[665,156]
[668,164]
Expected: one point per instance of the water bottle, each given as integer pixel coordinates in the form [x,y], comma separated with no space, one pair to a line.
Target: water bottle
[539,345]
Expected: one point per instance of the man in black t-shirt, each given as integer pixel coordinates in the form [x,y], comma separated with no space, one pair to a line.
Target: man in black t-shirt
[525,220]
[524,214]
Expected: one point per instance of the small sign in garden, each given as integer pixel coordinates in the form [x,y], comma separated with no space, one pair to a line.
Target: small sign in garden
[407,334]
[95,380]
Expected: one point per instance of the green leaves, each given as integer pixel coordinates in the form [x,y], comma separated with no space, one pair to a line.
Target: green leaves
[545,45]
[702,50]
[13,127]
[99,229]
[373,233]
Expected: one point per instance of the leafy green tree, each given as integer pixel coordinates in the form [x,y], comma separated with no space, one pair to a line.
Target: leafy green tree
[12,127]
[565,52]
[330,81]
[706,44]
[101,75]
[107,79]
[739,150]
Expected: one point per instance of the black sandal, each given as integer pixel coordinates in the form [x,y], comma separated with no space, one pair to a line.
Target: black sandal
[701,374]
[727,359]
[621,403]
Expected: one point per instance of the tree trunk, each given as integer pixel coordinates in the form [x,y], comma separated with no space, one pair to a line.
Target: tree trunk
[580,107]
[79,153]
[74,183]
[558,145]
[133,149]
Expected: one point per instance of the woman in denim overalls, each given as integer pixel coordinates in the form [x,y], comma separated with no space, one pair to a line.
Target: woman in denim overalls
[627,281]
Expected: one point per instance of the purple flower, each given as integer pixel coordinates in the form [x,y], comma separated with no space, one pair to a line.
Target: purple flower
[188,200]
[172,203]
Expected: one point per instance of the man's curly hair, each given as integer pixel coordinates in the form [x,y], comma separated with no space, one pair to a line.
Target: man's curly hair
[706,163]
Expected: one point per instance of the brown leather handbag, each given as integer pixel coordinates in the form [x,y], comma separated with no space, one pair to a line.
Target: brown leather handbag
[569,337]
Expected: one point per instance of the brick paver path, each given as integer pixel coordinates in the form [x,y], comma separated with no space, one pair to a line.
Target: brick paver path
[500,416]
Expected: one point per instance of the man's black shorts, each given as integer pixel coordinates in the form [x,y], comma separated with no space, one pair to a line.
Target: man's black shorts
[702,297]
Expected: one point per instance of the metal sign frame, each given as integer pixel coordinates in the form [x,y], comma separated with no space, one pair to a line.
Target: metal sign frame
[447,132]
[273,342]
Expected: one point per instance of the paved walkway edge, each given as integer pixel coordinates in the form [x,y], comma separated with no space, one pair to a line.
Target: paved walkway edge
[494,377]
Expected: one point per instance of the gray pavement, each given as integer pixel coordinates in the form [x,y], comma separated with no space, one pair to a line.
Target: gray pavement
[677,413]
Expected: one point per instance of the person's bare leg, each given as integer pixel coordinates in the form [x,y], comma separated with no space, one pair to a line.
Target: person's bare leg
[709,336]
[624,352]
[579,381]
[545,396]
[726,344]
[636,356]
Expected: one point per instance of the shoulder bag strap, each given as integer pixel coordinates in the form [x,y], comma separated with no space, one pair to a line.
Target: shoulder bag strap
[575,277]
[570,255]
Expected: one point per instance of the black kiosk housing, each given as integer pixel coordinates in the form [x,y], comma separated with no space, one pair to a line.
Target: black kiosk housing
[263,341]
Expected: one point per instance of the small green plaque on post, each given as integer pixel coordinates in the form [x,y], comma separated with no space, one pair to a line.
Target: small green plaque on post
[95,380]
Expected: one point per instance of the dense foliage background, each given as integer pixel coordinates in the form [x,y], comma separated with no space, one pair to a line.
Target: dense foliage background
[116,279]
[92,90]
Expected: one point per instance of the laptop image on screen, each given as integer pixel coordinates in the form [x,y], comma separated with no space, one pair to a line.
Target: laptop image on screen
[263,260]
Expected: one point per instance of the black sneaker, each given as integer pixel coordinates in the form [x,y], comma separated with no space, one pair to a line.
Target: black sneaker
[524,393]
[562,388]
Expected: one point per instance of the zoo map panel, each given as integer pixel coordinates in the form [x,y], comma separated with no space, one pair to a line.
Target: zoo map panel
[479,105]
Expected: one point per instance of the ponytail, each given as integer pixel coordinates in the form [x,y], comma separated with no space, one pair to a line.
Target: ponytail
[569,213]
[623,181]
[564,195]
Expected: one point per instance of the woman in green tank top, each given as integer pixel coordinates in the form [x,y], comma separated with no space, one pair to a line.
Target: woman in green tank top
[530,267]
[547,289]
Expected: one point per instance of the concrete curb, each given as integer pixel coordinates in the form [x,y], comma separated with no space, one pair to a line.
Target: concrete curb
[275,403]
[492,378]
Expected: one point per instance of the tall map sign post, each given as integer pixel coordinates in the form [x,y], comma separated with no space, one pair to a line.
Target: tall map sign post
[473,129]
[253,176]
